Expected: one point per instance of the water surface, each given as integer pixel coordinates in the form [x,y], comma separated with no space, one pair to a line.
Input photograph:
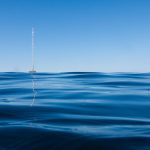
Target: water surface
[75,111]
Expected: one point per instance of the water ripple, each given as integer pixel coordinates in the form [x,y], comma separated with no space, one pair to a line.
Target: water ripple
[75,110]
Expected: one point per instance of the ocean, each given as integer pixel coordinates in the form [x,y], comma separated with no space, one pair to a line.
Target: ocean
[74,111]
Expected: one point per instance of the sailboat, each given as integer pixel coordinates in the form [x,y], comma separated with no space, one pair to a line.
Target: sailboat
[33,48]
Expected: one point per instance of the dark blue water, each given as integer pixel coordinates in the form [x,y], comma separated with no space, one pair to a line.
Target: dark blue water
[75,111]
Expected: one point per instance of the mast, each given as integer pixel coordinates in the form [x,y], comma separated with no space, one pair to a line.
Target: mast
[32,49]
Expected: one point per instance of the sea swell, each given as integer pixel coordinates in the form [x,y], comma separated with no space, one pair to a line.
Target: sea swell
[75,111]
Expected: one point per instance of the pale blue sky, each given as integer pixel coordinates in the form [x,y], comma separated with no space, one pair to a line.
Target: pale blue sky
[76,35]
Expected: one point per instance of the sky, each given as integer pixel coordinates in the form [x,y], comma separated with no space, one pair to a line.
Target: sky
[75,35]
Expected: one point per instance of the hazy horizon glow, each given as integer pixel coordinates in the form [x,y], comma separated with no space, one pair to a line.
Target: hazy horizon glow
[75,35]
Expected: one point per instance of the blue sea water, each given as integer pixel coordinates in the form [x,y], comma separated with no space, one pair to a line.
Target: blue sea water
[75,111]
